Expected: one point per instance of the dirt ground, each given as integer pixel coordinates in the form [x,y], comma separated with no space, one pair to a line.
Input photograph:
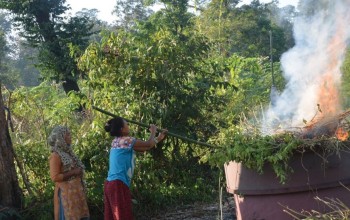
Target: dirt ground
[198,211]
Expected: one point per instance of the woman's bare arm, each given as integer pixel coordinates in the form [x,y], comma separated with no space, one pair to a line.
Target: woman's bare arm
[142,146]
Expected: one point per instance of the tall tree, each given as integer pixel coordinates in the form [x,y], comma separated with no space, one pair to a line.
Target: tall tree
[3,49]
[98,25]
[160,71]
[284,18]
[129,12]
[243,30]
[311,7]
[10,192]
[25,61]
[345,85]
[43,24]
[7,74]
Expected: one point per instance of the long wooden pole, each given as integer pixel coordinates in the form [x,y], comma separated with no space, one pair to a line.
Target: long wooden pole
[147,126]
[271,59]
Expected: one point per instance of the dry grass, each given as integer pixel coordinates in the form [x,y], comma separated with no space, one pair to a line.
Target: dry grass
[339,210]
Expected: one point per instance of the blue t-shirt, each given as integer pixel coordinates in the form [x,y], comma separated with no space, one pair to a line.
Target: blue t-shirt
[122,160]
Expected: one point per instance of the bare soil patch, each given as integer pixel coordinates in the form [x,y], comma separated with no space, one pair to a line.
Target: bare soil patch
[201,211]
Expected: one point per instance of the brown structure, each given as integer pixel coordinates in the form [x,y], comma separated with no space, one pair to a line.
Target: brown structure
[262,196]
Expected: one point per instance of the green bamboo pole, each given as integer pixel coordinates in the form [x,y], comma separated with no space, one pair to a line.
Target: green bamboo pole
[147,126]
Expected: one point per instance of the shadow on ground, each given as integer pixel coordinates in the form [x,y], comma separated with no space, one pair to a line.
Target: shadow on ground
[200,211]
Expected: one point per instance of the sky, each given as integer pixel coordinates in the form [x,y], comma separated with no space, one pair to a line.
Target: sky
[282,3]
[106,7]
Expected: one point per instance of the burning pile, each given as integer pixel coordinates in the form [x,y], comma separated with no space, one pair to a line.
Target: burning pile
[313,71]
[331,126]
[308,114]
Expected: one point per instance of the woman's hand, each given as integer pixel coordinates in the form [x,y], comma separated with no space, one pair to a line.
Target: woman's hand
[153,129]
[162,135]
[142,146]
[77,172]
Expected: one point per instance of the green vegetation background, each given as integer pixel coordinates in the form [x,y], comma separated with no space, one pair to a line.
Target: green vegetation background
[194,74]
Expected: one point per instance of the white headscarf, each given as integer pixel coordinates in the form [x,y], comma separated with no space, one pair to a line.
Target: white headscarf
[59,145]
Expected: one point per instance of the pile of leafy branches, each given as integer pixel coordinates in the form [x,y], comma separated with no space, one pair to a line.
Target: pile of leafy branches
[254,150]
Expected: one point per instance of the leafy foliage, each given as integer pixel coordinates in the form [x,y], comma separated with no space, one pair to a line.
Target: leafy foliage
[244,30]
[44,26]
[156,183]
[345,89]
[8,213]
[130,12]
[159,75]
[34,112]
[8,76]
[181,71]
[255,151]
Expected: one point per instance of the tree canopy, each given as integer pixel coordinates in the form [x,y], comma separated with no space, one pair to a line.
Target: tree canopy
[44,25]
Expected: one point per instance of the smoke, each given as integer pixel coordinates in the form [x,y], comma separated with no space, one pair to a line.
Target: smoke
[312,67]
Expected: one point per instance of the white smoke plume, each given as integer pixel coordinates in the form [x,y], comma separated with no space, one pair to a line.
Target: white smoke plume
[312,68]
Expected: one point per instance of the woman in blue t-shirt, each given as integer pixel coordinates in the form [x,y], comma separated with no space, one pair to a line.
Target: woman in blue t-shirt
[117,196]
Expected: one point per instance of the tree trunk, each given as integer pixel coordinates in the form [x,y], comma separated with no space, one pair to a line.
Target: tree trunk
[52,43]
[10,192]
[70,85]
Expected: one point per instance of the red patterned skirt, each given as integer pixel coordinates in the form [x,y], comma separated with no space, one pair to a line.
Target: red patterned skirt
[117,201]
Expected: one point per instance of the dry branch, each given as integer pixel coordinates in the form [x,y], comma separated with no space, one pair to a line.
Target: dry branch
[325,127]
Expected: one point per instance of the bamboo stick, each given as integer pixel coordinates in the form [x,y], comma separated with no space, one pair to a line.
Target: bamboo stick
[158,129]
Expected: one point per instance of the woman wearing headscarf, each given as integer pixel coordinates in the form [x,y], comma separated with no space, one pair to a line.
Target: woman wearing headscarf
[66,170]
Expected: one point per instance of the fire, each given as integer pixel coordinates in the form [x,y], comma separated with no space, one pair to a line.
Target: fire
[328,94]
[342,134]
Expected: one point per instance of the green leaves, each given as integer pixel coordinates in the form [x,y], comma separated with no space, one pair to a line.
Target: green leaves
[43,25]
[245,30]
[160,74]
[9,213]
[255,152]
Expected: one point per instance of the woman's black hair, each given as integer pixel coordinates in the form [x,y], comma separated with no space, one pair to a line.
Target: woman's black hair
[114,126]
